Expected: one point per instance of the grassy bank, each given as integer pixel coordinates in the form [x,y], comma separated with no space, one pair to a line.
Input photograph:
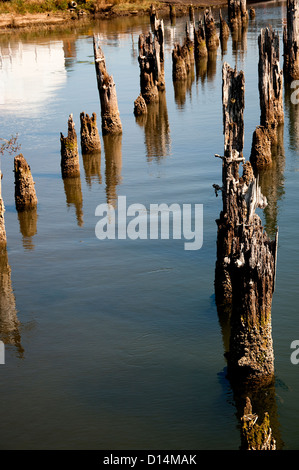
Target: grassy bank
[23,7]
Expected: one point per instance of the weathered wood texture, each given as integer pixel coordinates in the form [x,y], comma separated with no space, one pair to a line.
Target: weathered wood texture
[200,46]
[183,58]
[246,257]
[271,98]
[291,41]
[90,139]
[149,68]
[256,436]
[159,51]
[70,166]
[237,13]
[224,28]
[212,38]
[25,194]
[111,123]
[2,220]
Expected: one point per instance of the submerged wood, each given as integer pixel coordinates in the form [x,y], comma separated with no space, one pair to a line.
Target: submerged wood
[2,221]
[212,39]
[70,166]
[149,65]
[25,194]
[291,41]
[256,436]
[111,123]
[271,98]
[90,139]
[246,257]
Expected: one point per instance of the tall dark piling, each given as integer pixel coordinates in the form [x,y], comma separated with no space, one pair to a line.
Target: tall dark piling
[271,98]
[111,123]
[70,166]
[90,139]
[159,51]
[25,194]
[246,257]
[291,41]
[237,13]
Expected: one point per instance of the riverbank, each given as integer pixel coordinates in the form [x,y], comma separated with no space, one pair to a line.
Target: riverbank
[13,17]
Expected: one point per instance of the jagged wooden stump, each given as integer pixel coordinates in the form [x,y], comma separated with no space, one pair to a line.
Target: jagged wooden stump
[25,194]
[90,139]
[291,41]
[256,436]
[70,166]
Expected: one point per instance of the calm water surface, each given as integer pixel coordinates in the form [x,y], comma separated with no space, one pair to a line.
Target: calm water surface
[119,344]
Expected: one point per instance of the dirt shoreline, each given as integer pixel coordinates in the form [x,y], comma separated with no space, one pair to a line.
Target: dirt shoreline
[11,22]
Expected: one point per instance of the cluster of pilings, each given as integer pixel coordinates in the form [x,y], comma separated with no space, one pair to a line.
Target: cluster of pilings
[246,256]
[151,64]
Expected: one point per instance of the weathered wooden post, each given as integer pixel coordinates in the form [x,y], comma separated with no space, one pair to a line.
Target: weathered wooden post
[25,195]
[149,69]
[246,257]
[179,67]
[111,123]
[291,41]
[159,51]
[237,13]
[70,166]
[200,47]
[90,139]
[153,14]
[224,28]
[191,13]
[212,38]
[2,221]
[172,14]
[256,436]
[271,98]
[140,106]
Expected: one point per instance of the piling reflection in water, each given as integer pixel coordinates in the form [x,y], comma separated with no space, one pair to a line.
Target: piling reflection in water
[92,168]
[156,129]
[73,192]
[272,184]
[28,227]
[9,323]
[291,100]
[113,162]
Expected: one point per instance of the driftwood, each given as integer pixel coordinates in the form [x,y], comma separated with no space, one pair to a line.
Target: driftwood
[271,98]
[90,139]
[246,257]
[25,194]
[256,436]
[70,166]
[111,123]
[212,39]
[2,221]
[291,41]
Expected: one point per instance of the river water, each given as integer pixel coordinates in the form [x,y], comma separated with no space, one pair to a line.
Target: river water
[117,344]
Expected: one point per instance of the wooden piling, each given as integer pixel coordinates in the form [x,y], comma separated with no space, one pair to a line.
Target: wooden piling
[246,257]
[200,47]
[25,194]
[149,69]
[237,13]
[159,51]
[255,435]
[271,98]
[212,38]
[111,123]
[90,139]
[70,166]
[291,41]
